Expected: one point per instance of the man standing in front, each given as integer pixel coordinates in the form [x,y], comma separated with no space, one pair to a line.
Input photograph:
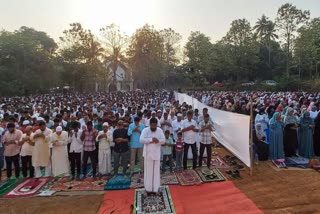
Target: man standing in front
[104,138]
[189,130]
[206,127]
[60,162]
[41,151]
[121,148]
[152,137]
[88,137]
[136,147]
[11,140]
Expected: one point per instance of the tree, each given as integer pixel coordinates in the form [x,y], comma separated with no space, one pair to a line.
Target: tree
[288,20]
[242,49]
[82,55]
[146,57]
[171,41]
[307,48]
[199,54]
[265,33]
[115,44]
[26,61]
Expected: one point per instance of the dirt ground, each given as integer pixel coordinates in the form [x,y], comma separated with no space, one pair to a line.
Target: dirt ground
[272,190]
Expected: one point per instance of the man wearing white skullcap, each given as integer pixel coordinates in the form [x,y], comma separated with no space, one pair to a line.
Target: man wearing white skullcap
[105,138]
[60,162]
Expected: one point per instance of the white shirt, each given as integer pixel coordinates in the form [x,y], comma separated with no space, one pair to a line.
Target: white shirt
[152,151]
[76,142]
[175,126]
[105,142]
[26,148]
[190,136]
[166,127]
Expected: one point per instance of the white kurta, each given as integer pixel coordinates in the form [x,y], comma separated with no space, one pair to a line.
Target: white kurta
[105,152]
[151,154]
[60,162]
[41,152]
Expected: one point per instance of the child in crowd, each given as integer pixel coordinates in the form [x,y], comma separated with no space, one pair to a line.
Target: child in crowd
[179,150]
[167,151]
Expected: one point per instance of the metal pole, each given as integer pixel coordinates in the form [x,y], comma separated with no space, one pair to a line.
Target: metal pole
[251,136]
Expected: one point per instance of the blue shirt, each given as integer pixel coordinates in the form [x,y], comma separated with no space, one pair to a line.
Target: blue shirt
[135,136]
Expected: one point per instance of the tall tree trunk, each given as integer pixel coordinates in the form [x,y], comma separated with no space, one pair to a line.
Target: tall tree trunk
[288,53]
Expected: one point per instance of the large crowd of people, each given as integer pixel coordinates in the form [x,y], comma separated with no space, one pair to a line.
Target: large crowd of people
[286,123]
[62,132]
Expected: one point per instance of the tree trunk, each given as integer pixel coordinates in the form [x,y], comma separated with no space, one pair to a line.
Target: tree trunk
[288,52]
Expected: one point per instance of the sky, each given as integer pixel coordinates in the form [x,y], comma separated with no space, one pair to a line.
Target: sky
[211,17]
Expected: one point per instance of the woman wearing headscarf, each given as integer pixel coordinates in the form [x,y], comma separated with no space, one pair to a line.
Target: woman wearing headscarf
[259,139]
[306,136]
[316,135]
[313,112]
[262,118]
[290,138]
[276,137]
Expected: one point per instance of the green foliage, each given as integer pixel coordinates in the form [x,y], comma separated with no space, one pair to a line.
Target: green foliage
[288,20]
[26,61]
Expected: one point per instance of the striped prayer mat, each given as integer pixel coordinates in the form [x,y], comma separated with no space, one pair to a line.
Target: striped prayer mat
[5,186]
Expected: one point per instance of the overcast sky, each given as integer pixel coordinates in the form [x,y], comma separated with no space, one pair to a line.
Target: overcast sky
[212,17]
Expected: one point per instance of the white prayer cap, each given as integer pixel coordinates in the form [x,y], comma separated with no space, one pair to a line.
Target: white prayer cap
[26,122]
[153,112]
[105,124]
[34,116]
[179,115]
[59,129]
[40,119]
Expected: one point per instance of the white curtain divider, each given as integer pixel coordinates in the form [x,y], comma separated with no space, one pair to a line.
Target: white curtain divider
[231,129]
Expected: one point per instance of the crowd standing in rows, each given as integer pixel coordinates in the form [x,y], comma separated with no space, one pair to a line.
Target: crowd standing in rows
[286,123]
[62,132]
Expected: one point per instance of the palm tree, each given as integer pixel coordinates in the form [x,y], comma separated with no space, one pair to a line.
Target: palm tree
[115,44]
[265,33]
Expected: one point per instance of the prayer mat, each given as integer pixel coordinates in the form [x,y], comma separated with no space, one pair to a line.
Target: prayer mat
[88,184]
[5,186]
[297,161]
[217,162]
[188,177]
[210,175]
[157,204]
[28,187]
[118,182]
[168,178]
[137,181]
